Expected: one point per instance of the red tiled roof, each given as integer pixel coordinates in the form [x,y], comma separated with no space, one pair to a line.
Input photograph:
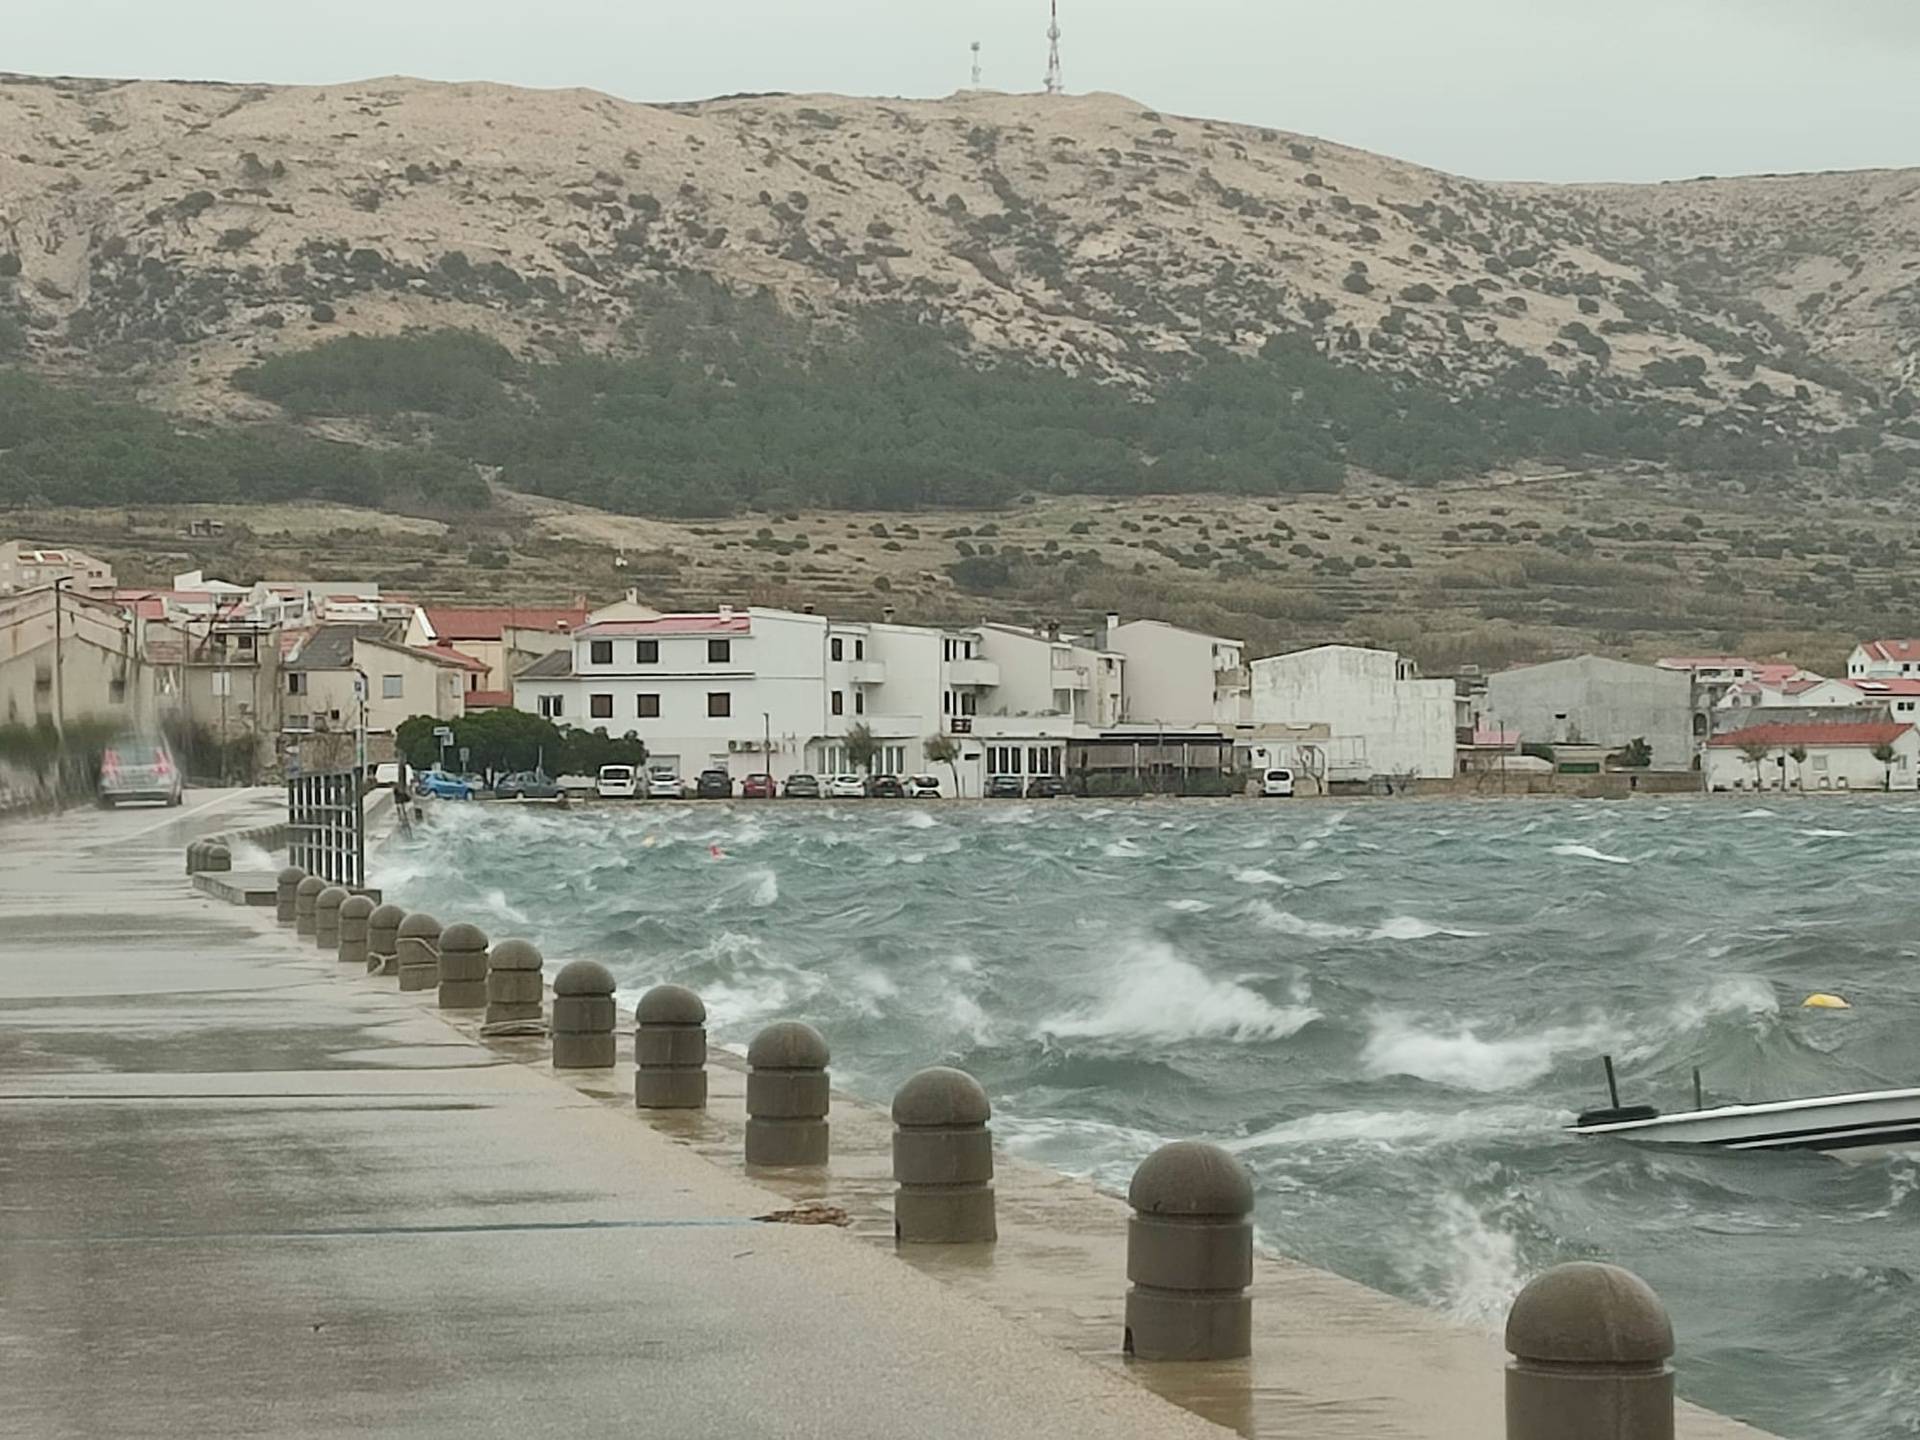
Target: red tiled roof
[1779,674]
[672,625]
[487,699]
[491,624]
[1814,737]
[1892,649]
[1903,686]
[448,653]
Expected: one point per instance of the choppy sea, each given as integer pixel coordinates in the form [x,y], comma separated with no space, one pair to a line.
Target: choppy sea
[1387,1009]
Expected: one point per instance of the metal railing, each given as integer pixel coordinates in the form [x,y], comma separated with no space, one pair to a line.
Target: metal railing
[326,824]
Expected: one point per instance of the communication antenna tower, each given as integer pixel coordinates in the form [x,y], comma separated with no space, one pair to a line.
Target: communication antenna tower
[1054,85]
[976,64]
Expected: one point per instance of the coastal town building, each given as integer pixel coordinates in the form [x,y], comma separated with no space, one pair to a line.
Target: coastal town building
[1838,755]
[334,670]
[1884,660]
[1598,701]
[1383,719]
[1177,676]
[506,639]
[67,657]
[26,566]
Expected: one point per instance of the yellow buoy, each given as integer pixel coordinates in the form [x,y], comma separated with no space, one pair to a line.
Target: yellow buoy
[1824,1001]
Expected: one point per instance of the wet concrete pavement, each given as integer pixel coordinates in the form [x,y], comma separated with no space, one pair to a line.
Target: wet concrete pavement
[247,1191]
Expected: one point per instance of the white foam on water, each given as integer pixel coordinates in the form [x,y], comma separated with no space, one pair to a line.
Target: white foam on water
[766,889]
[1459,1057]
[1399,1129]
[1755,814]
[497,902]
[1412,927]
[1285,922]
[1152,994]
[248,856]
[1827,834]
[1260,877]
[1189,906]
[1587,852]
[918,820]
[1121,850]
[1480,1270]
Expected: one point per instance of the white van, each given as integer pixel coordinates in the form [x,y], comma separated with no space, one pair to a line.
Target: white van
[617,782]
[1277,783]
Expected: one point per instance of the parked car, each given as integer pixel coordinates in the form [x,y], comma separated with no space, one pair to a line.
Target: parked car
[803,787]
[758,787]
[139,767]
[846,787]
[886,787]
[442,786]
[1277,782]
[714,785]
[923,787]
[1004,787]
[618,782]
[1047,787]
[663,784]
[525,785]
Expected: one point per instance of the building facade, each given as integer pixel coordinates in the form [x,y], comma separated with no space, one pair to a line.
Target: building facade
[1884,660]
[1382,718]
[1177,676]
[1595,700]
[321,704]
[1864,755]
[26,566]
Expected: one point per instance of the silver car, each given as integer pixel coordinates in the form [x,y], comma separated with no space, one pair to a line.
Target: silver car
[139,767]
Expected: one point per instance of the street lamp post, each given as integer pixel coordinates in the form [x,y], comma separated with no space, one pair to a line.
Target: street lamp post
[766,719]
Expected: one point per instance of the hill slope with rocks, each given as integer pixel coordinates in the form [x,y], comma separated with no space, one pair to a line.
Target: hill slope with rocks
[173,233]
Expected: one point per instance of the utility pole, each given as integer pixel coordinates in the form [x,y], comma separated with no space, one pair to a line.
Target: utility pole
[59,670]
[766,719]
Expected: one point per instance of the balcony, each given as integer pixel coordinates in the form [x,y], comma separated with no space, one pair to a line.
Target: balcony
[1072,677]
[867,672]
[1230,679]
[982,674]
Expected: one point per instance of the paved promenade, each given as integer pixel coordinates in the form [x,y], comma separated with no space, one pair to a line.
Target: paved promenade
[242,1195]
[245,1191]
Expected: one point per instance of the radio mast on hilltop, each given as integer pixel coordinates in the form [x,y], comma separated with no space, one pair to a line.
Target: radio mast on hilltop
[1054,85]
[976,64]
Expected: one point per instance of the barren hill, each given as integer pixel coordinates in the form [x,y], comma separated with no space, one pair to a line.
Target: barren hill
[177,231]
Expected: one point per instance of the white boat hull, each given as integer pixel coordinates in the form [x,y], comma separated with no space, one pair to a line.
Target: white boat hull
[1858,1128]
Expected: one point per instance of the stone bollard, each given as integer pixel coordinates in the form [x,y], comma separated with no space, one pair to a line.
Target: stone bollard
[326,916]
[355,912]
[463,968]
[515,987]
[417,951]
[787,1096]
[1592,1350]
[1190,1255]
[583,1016]
[304,896]
[670,1050]
[383,940]
[196,857]
[217,857]
[284,898]
[942,1160]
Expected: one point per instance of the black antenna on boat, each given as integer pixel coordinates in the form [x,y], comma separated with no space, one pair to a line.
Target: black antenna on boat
[1613,1086]
[1699,1096]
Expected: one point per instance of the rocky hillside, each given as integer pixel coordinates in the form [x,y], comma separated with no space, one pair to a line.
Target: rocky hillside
[175,232]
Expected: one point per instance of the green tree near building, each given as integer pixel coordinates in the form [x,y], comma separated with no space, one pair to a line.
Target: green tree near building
[862,748]
[945,750]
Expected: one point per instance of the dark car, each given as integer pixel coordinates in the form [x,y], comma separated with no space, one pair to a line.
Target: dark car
[714,785]
[525,785]
[1003,787]
[758,787]
[803,787]
[1047,787]
[886,787]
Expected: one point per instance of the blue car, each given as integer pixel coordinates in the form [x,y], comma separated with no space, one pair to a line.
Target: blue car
[443,786]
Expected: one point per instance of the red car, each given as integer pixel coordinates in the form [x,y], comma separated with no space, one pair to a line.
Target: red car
[758,787]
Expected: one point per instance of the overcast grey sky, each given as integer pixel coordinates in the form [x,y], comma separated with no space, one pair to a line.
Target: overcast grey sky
[1505,89]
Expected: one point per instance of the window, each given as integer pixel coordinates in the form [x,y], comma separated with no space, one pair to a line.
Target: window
[646,652]
[392,687]
[839,703]
[296,682]
[946,702]
[223,682]
[600,706]
[600,652]
[1003,759]
[647,706]
[719,652]
[836,647]
[859,702]
[946,649]
[967,701]
[117,692]
[719,703]
[552,707]
[859,649]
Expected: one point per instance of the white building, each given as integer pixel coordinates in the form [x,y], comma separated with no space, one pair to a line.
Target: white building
[1177,676]
[1837,756]
[25,566]
[1596,700]
[1043,672]
[1381,717]
[1884,660]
